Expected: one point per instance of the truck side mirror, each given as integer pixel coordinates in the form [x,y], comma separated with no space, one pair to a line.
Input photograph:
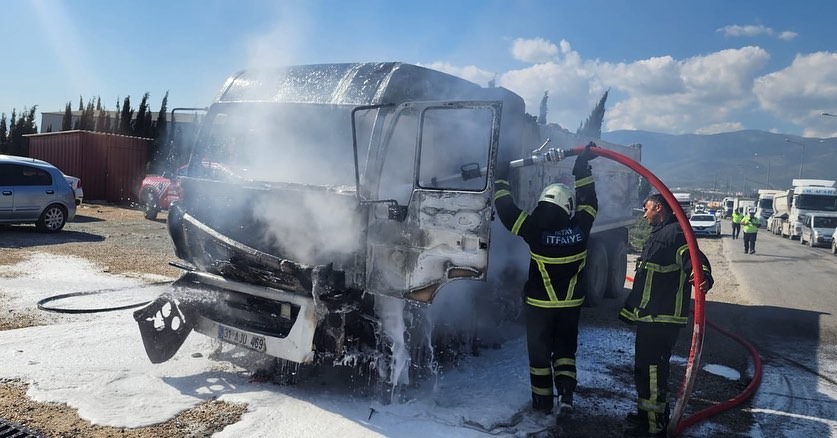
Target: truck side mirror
[470,171]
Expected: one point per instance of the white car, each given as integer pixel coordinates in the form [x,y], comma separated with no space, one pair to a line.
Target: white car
[75,183]
[705,224]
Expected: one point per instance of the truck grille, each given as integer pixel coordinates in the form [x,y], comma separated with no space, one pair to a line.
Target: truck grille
[12,430]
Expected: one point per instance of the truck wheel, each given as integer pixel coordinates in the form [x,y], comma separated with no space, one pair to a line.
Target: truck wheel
[150,206]
[617,269]
[595,273]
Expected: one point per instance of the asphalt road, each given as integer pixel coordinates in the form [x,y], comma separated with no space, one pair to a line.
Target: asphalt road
[791,318]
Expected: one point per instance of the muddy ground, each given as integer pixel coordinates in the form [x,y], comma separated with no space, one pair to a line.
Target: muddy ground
[121,241]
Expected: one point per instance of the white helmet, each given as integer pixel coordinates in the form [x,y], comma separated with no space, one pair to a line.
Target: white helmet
[561,196]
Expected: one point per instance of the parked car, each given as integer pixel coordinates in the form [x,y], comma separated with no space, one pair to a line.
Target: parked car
[75,183]
[705,224]
[34,191]
[159,192]
[817,229]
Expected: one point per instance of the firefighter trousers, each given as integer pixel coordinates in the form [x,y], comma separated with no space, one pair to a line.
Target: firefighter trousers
[552,341]
[654,343]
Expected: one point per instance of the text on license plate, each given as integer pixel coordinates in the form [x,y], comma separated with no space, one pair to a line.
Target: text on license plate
[231,335]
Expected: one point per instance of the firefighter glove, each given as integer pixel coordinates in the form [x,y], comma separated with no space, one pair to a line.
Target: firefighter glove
[582,167]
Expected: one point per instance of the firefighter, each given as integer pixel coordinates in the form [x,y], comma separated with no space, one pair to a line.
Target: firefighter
[658,305]
[737,215]
[557,232]
[751,228]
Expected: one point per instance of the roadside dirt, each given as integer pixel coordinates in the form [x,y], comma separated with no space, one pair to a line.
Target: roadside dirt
[121,241]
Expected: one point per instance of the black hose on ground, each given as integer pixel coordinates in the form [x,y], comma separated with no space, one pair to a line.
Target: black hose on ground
[42,303]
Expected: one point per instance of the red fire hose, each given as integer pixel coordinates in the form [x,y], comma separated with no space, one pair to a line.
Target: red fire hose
[676,425]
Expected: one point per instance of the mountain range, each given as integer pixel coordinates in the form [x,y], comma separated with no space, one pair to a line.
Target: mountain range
[732,162]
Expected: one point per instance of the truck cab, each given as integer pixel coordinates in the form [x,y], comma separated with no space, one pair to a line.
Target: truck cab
[325,207]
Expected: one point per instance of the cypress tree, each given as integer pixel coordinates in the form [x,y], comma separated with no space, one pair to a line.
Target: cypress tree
[67,121]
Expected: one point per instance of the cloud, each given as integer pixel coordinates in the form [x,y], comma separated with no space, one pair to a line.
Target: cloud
[536,50]
[699,93]
[470,72]
[752,30]
[717,128]
[662,94]
[802,91]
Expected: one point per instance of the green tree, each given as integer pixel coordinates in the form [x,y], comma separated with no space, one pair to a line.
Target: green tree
[25,124]
[125,117]
[87,121]
[4,130]
[593,126]
[160,150]
[542,115]
[142,124]
[67,121]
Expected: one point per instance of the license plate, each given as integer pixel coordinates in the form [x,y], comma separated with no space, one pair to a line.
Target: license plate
[247,340]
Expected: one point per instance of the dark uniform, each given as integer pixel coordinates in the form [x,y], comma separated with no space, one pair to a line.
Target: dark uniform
[659,305]
[553,294]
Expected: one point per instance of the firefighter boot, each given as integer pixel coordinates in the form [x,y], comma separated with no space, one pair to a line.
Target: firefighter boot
[565,401]
[542,403]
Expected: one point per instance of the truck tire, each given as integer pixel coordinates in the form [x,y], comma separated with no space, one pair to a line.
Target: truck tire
[595,277]
[617,269]
[150,206]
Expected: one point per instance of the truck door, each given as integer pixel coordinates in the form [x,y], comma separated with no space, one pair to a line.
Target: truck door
[433,191]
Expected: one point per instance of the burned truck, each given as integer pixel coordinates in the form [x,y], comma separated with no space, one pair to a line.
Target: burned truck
[324,204]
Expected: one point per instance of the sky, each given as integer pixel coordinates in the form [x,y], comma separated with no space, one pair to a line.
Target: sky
[96,364]
[698,67]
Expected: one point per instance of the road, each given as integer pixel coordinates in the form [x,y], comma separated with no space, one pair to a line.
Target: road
[790,315]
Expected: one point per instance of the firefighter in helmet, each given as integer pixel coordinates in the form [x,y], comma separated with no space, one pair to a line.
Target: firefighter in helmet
[557,232]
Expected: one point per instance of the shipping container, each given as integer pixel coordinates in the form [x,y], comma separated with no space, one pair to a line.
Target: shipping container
[111,167]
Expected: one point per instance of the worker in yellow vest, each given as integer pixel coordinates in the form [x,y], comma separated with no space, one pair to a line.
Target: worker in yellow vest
[737,215]
[751,228]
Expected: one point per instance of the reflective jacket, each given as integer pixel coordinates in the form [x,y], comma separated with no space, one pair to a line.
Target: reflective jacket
[750,224]
[661,291]
[559,253]
[736,217]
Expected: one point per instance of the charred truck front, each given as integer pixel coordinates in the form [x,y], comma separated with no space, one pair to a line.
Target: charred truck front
[322,202]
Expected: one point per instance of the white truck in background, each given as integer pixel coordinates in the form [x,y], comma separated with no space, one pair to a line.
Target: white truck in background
[727,206]
[764,205]
[685,201]
[808,196]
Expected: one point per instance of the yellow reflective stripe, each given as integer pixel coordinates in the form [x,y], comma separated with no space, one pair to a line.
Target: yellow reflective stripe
[559,260]
[584,181]
[547,282]
[678,301]
[500,181]
[519,222]
[664,319]
[541,391]
[554,304]
[588,209]
[648,266]
[540,371]
[652,384]
[563,361]
[646,290]
[500,193]
[566,374]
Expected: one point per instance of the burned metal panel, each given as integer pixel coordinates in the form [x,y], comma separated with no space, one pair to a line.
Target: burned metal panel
[347,84]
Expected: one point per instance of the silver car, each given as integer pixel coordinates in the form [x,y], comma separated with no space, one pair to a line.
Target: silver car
[34,191]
